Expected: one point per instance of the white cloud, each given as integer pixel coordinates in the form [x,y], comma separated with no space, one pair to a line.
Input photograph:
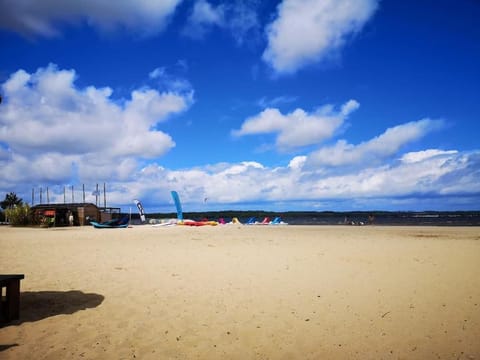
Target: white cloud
[47,123]
[298,128]
[43,17]
[172,79]
[205,13]
[413,157]
[157,73]
[378,148]
[243,20]
[297,162]
[239,17]
[265,102]
[52,132]
[307,31]
[236,185]
[203,17]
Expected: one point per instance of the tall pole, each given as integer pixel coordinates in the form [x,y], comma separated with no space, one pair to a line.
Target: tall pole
[96,196]
[48,196]
[83,185]
[64,195]
[73,198]
[41,201]
[104,196]
[33,196]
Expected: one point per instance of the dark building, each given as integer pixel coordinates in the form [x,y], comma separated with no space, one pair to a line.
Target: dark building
[83,213]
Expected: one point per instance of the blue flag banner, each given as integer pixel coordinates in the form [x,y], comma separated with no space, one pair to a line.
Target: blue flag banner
[178,205]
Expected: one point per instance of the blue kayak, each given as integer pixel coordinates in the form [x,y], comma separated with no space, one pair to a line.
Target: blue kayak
[112,224]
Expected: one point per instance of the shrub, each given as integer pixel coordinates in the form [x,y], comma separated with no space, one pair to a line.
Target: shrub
[18,215]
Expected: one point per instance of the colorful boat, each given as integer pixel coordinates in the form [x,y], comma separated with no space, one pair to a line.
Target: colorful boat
[197,223]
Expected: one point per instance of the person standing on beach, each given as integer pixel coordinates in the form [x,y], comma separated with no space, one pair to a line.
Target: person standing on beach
[70,218]
[371,219]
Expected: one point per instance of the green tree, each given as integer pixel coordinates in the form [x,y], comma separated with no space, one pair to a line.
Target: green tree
[19,215]
[11,200]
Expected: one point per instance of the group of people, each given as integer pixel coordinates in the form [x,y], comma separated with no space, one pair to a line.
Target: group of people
[370,221]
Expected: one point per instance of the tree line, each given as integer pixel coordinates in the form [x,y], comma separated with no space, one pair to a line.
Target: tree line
[14,210]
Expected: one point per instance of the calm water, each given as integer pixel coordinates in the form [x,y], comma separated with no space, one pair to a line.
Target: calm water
[339,218]
[420,219]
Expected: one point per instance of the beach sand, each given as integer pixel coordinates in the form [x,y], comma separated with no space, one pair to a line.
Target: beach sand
[244,292]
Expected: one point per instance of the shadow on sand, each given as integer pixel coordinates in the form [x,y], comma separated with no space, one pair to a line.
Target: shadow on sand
[38,305]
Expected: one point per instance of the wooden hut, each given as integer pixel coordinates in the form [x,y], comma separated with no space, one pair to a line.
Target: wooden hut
[83,213]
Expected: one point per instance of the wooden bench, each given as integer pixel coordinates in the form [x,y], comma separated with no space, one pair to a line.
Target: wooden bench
[10,307]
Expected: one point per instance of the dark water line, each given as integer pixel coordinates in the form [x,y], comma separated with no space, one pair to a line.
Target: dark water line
[343,218]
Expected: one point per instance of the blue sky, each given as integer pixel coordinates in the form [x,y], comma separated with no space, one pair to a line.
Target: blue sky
[275,105]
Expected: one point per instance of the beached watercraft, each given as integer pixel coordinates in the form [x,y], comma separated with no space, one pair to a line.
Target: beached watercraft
[266,221]
[278,221]
[112,224]
[165,222]
[197,223]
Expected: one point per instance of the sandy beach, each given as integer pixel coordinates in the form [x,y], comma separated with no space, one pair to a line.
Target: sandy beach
[244,292]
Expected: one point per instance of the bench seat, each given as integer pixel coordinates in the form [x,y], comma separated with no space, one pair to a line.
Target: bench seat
[10,306]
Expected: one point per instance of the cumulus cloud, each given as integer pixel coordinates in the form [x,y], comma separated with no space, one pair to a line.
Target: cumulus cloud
[428,176]
[378,148]
[298,128]
[53,132]
[43,17]
[307,31]
[238,185]
[47,123]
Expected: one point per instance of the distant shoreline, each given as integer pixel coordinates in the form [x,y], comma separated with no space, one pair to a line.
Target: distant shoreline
[416,218]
